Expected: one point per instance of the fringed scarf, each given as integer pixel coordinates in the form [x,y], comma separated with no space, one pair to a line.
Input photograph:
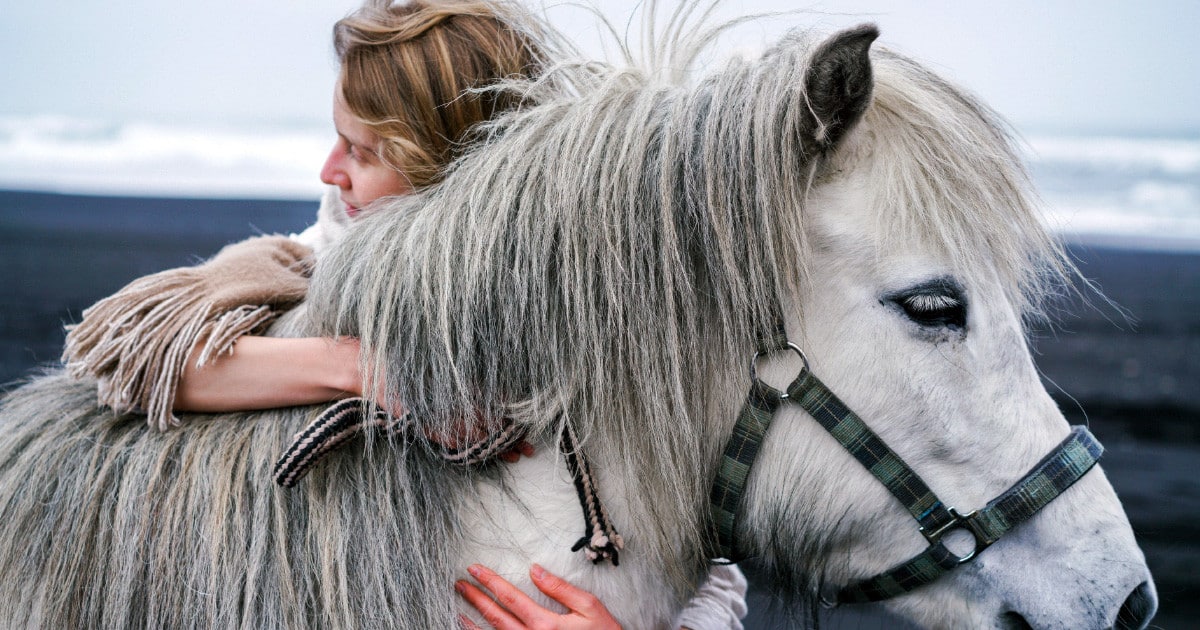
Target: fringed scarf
[137,341]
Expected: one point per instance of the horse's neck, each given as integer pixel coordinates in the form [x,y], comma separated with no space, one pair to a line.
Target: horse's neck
[535,516]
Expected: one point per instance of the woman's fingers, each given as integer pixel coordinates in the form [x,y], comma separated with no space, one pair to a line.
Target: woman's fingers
[514,454]
[492,612]
[509,600]
[512,609]
[574,598]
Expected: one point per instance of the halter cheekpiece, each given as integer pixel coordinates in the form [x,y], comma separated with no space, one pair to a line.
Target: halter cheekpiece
[1061,468]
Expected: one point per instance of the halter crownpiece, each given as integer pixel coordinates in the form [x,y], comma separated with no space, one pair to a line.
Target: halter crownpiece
[1061,468]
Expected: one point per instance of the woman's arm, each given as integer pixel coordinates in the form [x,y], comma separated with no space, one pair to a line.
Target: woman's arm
[719,603]
[269,372]
[139,342]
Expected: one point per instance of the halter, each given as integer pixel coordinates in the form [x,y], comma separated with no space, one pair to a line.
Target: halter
[1056,472]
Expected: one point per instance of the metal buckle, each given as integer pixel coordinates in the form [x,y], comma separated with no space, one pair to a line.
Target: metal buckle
[964,522]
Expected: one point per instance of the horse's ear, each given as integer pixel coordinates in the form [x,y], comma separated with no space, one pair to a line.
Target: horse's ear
[838,86]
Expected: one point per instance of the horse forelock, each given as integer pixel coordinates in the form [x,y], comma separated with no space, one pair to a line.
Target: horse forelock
[945,171]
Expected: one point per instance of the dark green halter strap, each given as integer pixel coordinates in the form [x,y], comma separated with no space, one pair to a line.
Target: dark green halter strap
[1047,480]
[742,449]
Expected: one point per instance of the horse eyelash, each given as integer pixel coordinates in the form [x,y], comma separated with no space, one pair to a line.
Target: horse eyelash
[926,302]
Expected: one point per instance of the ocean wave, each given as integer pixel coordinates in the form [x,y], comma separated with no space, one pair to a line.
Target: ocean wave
[1103,184]
[1173,156]
[90,156]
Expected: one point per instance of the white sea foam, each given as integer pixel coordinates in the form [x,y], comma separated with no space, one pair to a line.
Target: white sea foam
[1173,156]
[82,156]
[1117,186]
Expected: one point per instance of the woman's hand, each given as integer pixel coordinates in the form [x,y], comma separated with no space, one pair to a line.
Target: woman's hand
[512,610]
[466,431]
[471,429]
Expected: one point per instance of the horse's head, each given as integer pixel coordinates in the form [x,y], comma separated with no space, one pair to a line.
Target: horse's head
[923,258]
[609,258]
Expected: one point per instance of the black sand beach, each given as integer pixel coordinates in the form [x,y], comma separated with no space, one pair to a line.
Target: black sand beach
[1133,379]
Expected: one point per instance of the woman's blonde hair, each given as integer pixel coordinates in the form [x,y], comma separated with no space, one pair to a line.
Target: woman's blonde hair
[411,72]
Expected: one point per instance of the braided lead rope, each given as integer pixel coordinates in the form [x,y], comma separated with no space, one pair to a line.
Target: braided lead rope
[345,419]
[341,421]
[600,540]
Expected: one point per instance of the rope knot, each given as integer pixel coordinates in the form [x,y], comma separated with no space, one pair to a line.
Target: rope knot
[600,548]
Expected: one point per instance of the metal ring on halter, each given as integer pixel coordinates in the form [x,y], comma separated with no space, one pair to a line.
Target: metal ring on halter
[761,353]
[827,596]
[964,522]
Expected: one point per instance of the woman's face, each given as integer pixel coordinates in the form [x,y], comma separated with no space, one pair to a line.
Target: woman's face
[354,166]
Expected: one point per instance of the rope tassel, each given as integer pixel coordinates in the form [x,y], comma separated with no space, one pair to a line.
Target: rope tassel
[600,540]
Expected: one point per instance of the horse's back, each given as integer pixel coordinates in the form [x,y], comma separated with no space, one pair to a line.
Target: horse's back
[108,523]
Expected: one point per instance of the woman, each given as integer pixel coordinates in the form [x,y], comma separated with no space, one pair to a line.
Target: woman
[407,101]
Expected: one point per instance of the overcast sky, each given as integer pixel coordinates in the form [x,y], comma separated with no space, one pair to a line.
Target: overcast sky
[1046,65]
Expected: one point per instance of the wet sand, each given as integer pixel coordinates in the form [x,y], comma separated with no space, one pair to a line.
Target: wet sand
[1132,374]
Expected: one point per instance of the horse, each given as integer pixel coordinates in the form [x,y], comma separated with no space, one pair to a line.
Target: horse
[608,261]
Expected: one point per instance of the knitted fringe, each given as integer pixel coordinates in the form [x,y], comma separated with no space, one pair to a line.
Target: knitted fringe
[137,342]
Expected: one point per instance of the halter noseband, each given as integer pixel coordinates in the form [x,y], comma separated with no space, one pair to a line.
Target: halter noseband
[1062,467]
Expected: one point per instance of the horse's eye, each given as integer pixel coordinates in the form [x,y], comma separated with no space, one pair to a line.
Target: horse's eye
[934,309]
[938,303]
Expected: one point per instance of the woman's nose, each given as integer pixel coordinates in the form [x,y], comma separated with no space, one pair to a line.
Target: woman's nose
[332,172]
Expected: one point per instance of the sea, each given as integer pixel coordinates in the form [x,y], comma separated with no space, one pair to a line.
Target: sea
[1127,187]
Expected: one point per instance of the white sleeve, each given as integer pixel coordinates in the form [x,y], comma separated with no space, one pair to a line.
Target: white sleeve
[719,604]
[330,226]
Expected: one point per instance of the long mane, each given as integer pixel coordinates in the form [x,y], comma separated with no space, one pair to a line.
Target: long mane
[609,257]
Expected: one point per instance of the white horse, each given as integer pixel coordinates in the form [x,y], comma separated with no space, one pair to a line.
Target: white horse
[608,261]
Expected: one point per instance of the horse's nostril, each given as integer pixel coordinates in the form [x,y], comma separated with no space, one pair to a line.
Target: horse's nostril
[1014,621]
[1138,609]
